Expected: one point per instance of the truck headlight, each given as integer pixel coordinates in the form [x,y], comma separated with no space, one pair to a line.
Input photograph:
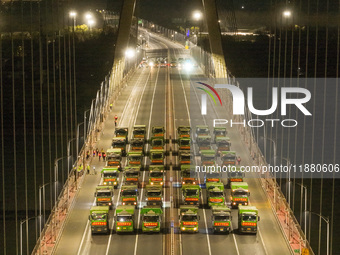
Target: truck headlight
[195,229]
[118,228]
[134,203]
[104,183]
[183,182]
[110,203]
[161,183]
[151,183]
[183,228]
[115,183]
[123,203]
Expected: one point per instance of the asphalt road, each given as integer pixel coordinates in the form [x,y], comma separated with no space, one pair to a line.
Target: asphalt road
[143,101]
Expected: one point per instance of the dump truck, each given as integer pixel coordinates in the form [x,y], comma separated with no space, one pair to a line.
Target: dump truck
[99,219]
[154,195]
[186,175]
[228,158]
[184,144]
[221,219]
[125,218]
[183,131]
[122,132]
[188,218]
[129,195]
[201,130]
[139,131]
[219,132]
[235,176]
[215,193]
[119,142]
[134,158]
[208,157]
[137,145]
[248,218]
[191,194]
[158,132]
[114,157]
[222,144]
[212,177]
[184,158]
[204,142]
[157,143]
[110,176]
[156,175]
[131,175]
[151,218]
[239,194]
[104,195]
[157,157]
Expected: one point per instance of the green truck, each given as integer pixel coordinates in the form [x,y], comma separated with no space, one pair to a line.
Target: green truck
[122,132]
[228,158]
[114,157]
[215,193]
[184,144]
[239,194]
[104,195]
[131,175]
[223,144]
[204,142]
[137,145]
[183,132]
[236,176]
[191,194]
[158,132]
[157,143]
[99,219]
[157,157]
[151,218]
[212,177]
[139,131]
[219,132]
[119,143]
[125,218]
[221,219]
[154,195]
[156,175]
[188,218]
[248,217]
[134,158]
[110,176]
[129,195]
[186,175]
[208,157]
[184,158]
[202,130]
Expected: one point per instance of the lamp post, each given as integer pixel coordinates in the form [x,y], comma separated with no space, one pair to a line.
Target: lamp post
[289,186]
[21,223]
[90,22]
[305,225]
[197,15]
[326,219]
[73,15]
[41,187]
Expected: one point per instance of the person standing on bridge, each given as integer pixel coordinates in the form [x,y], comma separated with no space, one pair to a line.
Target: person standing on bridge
[116,119]
[99,155]
[239,160]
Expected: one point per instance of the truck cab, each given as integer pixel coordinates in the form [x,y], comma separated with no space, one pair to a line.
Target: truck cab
[239,194]
[248,218]
[184,158]
[204,142]
[188,218]
[114,157]
[215,193]
[219,132]
[137,145]
[235,176]
[110,176]
[151,218]
[228,158]
[158,132]
[129,195]
[191,194]
[186,175]
[208,157]
[125,218]
[223,143]
[157,143]
[131,175]
[119,143]
[99,219]
[157,157]
[184,144]
[134,158]
[202,130]
[213,177]
[156,175]
[183,131]
[104,195]
[154,194]
[139,131]
[221,219]
[122,132]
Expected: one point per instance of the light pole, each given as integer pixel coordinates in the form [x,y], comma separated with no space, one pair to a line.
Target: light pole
[289,186]
[41,187]
[197,15]
[22,222]
[305,225]
[326,219]
[73,15]
[90,22]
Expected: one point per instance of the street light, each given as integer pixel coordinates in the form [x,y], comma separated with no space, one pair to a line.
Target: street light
[287,13]
[88,16]
[73,15]
[129,53]
[305,188]
[197,15]
[40,213]
[288,163]
[22,222]
[326,219]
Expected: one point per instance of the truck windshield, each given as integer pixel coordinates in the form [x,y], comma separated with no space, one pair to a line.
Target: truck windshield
[157,142]
[213,175]
[135,158]
[186,173]
[104,194]
[189,218]
[220,133]
[207,158]
[121,132]
[156,174]
[249,217]
[216,194]
[113,157]
[157,155]
[229,157]
[191,192]
[185,157]
[184,131]
[222,217]
[147,218]
[222,143]
[241,193]
[99,216]
[129,193]
[116,144]
[158,130]
[137,143]
[235,174]
[154,193]
[202,131]
[124,218]
[139,131]
[108,175]
[131,174]
[185,142]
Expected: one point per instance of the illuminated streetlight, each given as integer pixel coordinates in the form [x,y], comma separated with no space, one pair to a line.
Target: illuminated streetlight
[88,16]
[287,14]
[129,53]
[197,15]
[90,22]
[73,14]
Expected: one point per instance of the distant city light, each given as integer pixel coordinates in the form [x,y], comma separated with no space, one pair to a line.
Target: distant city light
[287,13]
